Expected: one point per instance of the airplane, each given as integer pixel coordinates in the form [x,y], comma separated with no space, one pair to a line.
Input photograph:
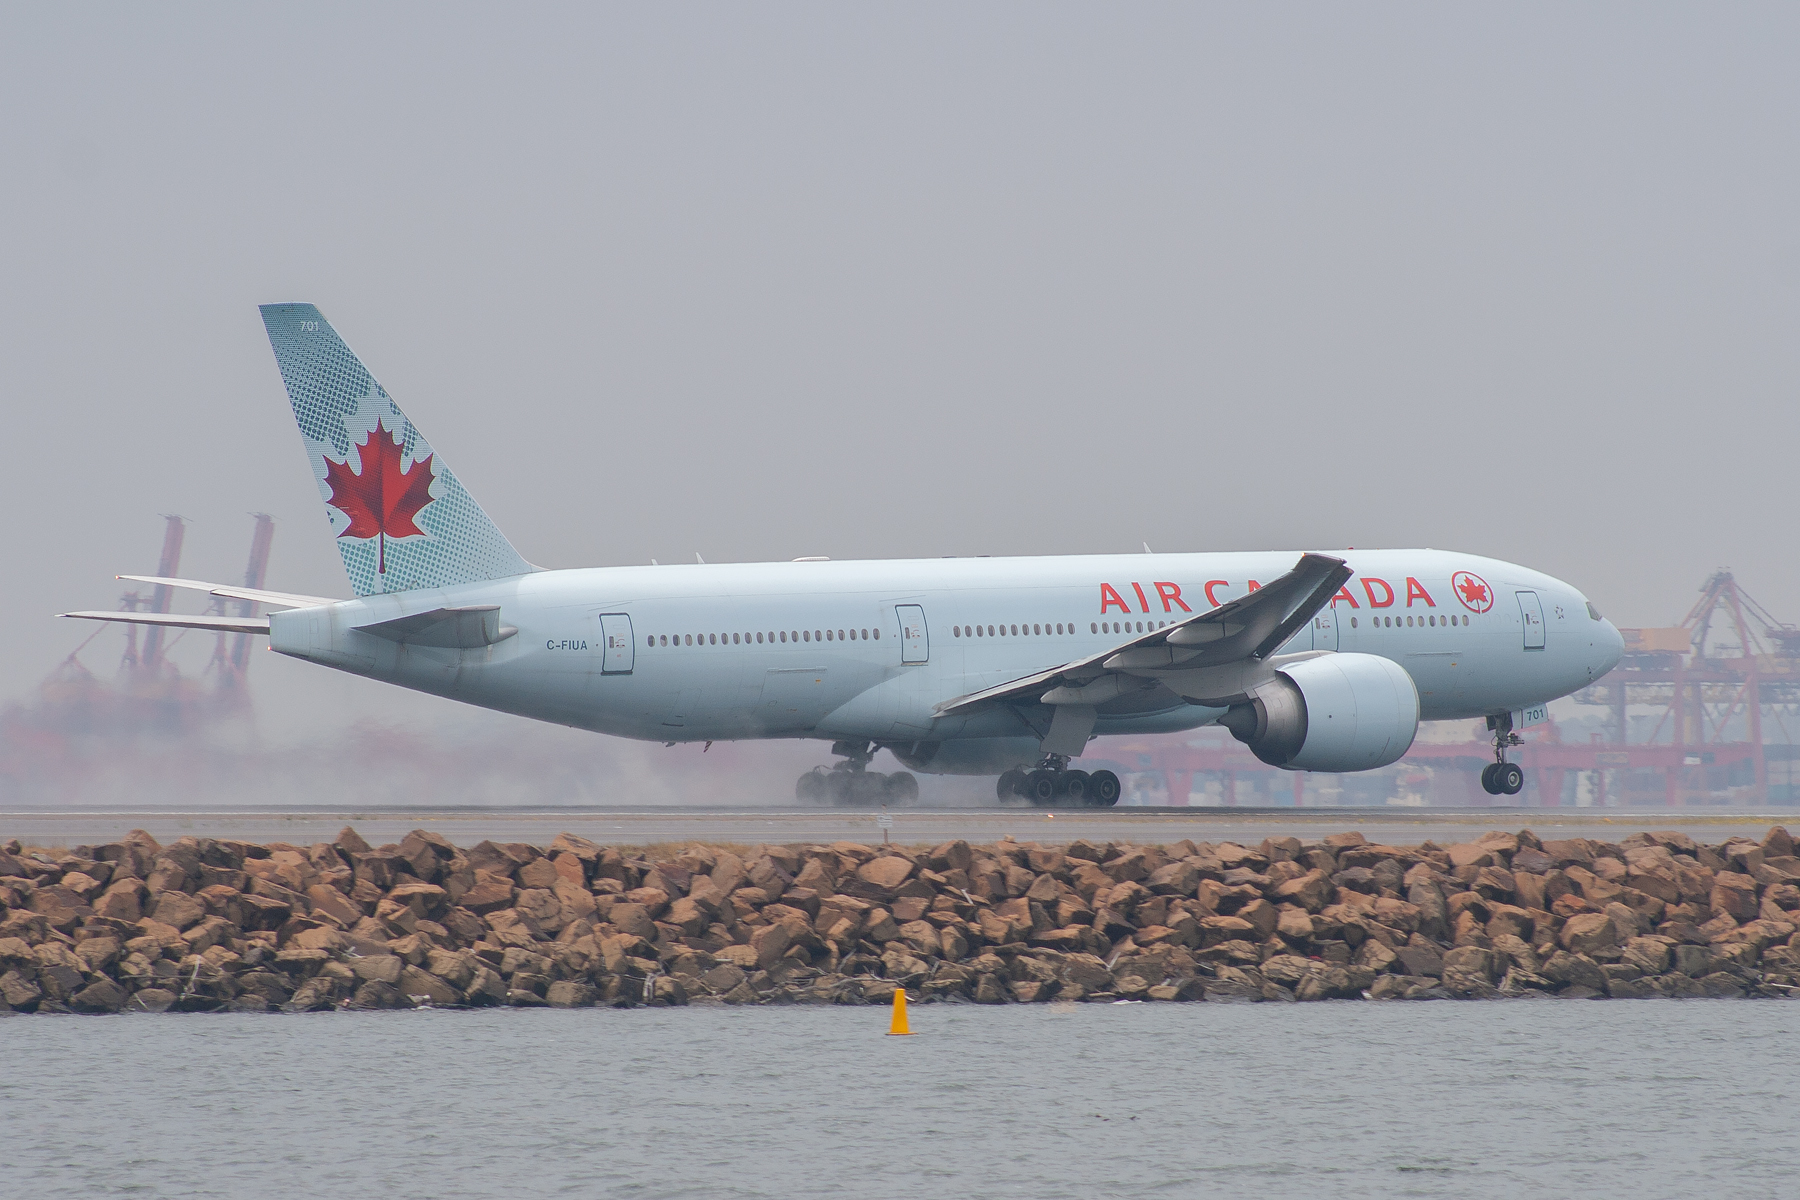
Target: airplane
[985,666]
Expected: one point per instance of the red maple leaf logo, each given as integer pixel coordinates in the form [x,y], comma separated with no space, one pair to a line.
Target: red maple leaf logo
[1473,591]
[382,500]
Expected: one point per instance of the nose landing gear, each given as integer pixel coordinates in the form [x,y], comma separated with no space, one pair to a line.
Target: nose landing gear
[851,782]
[1051,782]
[1501,778]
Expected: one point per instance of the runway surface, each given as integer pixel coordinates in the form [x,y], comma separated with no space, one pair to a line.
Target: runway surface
[466,826]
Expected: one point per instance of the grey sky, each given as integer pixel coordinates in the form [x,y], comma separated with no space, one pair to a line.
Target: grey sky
[764,281]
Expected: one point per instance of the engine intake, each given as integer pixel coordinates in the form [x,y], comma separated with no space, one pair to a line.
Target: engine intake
[1339,712]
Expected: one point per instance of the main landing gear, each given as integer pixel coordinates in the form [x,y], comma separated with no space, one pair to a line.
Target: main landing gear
[852,783]
[1051,782]
[1501,778]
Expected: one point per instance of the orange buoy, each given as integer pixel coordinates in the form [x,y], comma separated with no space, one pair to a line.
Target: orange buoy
[897,1028]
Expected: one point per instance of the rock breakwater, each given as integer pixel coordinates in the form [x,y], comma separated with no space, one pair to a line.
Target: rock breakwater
[209,925]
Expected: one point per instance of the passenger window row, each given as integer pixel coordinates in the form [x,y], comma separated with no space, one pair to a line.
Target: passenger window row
[775,637]
[1128,626]
[1403,622]
[973,631]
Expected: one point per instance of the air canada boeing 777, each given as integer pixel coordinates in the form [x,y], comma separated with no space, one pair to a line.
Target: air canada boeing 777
[1004,666]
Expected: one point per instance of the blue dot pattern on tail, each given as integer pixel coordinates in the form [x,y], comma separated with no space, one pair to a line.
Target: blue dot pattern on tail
[337,404]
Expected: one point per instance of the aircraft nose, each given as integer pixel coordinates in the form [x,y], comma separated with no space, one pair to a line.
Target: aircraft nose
[1608,646]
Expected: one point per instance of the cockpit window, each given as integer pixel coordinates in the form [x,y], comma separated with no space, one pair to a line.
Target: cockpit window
[1593,613]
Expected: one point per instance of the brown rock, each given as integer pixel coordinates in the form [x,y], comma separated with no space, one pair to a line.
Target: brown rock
[1311,891]
[350,843]
[1574,970]
[123,901]
[1327,983]
[1650,955]
[1586,932]
[722,979]
[152,1000]
[1595,889]
[490,893]
[922,936]
[1508,920]
[178,909]
[422,987]
[539,873]
[1218,930]
[1294,924]
[19,990]
[100,996]
[632,919]
[1420,957]
[378,968]
[1376,956]
[1174,879]
[322,938]
[262,912]
[770,942]
[428,901]
[1470,854]
[1467,967]
[1572,852]
[1734,895]
[1434,918]
[1262,916]
[329,900]
[1500,842]
[1494,883]
[97,954]
[570,993]
[1531,861]
[883,875]
[1657,880]
[1528,890]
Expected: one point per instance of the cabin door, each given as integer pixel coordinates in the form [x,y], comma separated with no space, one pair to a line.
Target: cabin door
[915,642]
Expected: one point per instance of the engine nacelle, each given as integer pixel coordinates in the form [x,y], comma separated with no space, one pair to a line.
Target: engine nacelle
[1338,712]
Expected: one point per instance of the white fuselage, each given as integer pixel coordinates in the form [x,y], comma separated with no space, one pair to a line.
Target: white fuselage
[868,650]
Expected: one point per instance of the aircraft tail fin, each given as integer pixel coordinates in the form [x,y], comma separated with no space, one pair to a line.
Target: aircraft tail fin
[402,520]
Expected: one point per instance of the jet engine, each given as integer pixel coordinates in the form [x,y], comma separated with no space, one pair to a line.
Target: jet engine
[1338,712]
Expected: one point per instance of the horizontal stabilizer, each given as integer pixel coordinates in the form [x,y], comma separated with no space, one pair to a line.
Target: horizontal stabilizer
[181,621]
[468,628]
[229,592]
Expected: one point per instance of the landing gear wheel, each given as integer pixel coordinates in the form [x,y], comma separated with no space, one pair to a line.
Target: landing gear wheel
[810,788]
[1010,785]
[1040,788]
[1075,787]
[1509,778]
[1487,779]
[902,788]
[1103,789]
[867,787]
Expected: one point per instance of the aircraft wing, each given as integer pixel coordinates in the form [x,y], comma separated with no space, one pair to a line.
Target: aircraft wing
[1212,657]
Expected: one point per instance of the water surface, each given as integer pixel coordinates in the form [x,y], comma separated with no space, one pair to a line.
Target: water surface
[1504,1099]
